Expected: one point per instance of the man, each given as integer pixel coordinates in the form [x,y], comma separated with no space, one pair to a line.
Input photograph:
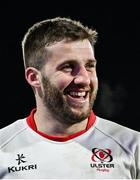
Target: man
[62,137]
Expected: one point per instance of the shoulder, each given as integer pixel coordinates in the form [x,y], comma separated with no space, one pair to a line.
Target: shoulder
[107,124]
[125,137]
[11,131]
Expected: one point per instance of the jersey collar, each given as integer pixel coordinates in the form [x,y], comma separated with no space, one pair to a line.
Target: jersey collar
[31,123]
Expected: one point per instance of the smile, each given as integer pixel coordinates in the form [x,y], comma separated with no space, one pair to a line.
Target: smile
[77,94]
[77,98]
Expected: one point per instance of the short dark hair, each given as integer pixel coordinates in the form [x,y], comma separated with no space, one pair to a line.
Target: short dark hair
[47,32]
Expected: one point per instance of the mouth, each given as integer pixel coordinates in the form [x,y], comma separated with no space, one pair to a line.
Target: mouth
[77,97]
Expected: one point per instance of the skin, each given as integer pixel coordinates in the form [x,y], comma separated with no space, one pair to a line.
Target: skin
[69,76]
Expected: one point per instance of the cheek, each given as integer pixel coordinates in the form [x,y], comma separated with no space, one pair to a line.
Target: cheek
[62,82]
[94,82]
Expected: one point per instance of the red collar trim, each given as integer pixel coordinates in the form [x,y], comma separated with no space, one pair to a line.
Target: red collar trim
[31,123]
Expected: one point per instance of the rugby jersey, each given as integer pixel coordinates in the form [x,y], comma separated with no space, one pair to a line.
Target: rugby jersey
[104,150]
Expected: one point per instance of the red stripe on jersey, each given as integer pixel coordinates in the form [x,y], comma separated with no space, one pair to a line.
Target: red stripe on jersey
[32,125]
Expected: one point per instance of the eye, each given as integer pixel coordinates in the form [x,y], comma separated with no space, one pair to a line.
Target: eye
[67,67]
[90,66]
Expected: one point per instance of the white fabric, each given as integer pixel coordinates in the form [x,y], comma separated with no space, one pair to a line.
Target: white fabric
[106,151]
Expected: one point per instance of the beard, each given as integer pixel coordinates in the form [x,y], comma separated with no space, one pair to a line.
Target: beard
[55,101]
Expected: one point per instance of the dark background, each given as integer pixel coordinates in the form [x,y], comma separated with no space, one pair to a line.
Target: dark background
[117,52]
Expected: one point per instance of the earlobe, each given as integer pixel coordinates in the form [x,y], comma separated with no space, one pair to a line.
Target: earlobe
[32,76]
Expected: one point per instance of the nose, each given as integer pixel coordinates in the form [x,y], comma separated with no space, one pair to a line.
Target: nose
[82,77]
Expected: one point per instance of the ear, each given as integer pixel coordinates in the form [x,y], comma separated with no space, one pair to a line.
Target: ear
[32,76]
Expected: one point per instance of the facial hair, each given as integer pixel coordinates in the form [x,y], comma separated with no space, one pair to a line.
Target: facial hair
[55,102]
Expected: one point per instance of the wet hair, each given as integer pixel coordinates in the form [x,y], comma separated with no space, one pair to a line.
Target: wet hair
[47,32]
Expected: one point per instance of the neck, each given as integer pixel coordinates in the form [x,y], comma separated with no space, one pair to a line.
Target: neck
[46,124]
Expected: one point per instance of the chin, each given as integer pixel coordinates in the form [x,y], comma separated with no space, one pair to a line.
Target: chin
[81,111]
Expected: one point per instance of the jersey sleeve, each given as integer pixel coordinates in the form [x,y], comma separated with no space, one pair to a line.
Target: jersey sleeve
[138,160]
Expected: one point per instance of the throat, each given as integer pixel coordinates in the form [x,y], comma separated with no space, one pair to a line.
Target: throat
[55,128]
[65,130]
[62,134]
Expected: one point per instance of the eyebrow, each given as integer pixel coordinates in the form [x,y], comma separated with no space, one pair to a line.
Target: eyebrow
[92,60]
[75,61]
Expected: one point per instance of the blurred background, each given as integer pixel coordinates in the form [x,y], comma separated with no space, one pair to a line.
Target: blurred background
[117,52]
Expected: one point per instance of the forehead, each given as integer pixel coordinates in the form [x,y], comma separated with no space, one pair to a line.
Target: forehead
[80,50]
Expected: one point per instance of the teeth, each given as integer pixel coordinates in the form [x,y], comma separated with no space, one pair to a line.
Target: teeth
[78,94]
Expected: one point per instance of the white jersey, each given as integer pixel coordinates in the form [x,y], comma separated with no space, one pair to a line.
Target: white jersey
[106,151]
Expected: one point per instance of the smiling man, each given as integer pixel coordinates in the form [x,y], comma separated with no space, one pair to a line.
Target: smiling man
[68,87]
[62,137]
